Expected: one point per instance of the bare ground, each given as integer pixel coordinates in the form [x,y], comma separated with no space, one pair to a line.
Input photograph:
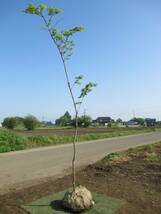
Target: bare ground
[70,131]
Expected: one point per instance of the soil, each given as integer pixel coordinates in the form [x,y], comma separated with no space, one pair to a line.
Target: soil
[70,131]
[134,179]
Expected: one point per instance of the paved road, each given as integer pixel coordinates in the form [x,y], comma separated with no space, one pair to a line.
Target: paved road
[24,166]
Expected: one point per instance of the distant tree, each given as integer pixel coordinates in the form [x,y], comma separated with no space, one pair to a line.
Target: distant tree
[31,122]
[64,120]
[83,121]
[19,121]
[139,120]
[86,121]
[110,124]
[119,120]
[9,123]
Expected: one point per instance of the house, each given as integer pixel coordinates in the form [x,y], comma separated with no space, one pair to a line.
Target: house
[102,121]
[120,125]
[132,123]
[150,122]
[158,123]
[47,123]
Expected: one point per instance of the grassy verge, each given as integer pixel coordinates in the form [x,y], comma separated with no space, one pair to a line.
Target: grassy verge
[9,141]
[147,152]
[37,141]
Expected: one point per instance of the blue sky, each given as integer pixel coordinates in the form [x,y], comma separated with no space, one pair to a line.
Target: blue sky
[120,49]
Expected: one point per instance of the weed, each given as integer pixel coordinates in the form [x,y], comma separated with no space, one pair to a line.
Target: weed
[151,156]
[113,155]
[145,148]
[9,141]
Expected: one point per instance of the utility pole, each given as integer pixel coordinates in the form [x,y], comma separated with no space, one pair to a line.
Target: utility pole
[84,113]
[134,115]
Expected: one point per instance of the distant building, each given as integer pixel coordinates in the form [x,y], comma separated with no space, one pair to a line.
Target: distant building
[132,123]
[150,122]
[121,125]
[158,123]
[47,123]
[102,121]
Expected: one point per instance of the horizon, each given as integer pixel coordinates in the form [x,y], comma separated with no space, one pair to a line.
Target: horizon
[54,120]
[120,50]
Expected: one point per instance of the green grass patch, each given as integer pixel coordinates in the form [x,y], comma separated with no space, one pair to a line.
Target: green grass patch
[52,205]
[113,155]
[149,152]
[151,156]
[144,148]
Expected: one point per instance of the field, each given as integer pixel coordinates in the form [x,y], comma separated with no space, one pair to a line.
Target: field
[81,131]
[133,175]
[20,140]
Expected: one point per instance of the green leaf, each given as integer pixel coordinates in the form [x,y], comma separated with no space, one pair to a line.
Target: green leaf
[67,33]
[78,29]
[55,32]
[78,79]
[53,11]
[71,31]
[88,88]
[32,9]
[42,6]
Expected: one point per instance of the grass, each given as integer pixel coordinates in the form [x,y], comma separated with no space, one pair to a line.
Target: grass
[39,141]
[147,148]
[147,152]
[113,155]
[151,156]
[9,141]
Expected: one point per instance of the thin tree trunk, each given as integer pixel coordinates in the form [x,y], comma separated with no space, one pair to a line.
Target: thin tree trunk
[74,151]
[74,104]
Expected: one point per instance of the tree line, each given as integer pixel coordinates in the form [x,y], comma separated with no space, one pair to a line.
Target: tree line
[66,120]
[29,122]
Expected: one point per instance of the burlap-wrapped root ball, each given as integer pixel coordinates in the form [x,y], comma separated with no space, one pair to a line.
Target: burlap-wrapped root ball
[78,200]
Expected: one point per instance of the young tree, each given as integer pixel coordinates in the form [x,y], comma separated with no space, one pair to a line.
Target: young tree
[64,44]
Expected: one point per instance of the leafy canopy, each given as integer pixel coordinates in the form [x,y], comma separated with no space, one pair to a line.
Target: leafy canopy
[37,10]
[63,41]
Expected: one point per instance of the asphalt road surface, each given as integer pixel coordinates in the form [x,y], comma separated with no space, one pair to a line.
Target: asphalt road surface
[17,168]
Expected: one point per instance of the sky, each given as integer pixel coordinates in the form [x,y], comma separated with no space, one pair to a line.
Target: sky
[120,50]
